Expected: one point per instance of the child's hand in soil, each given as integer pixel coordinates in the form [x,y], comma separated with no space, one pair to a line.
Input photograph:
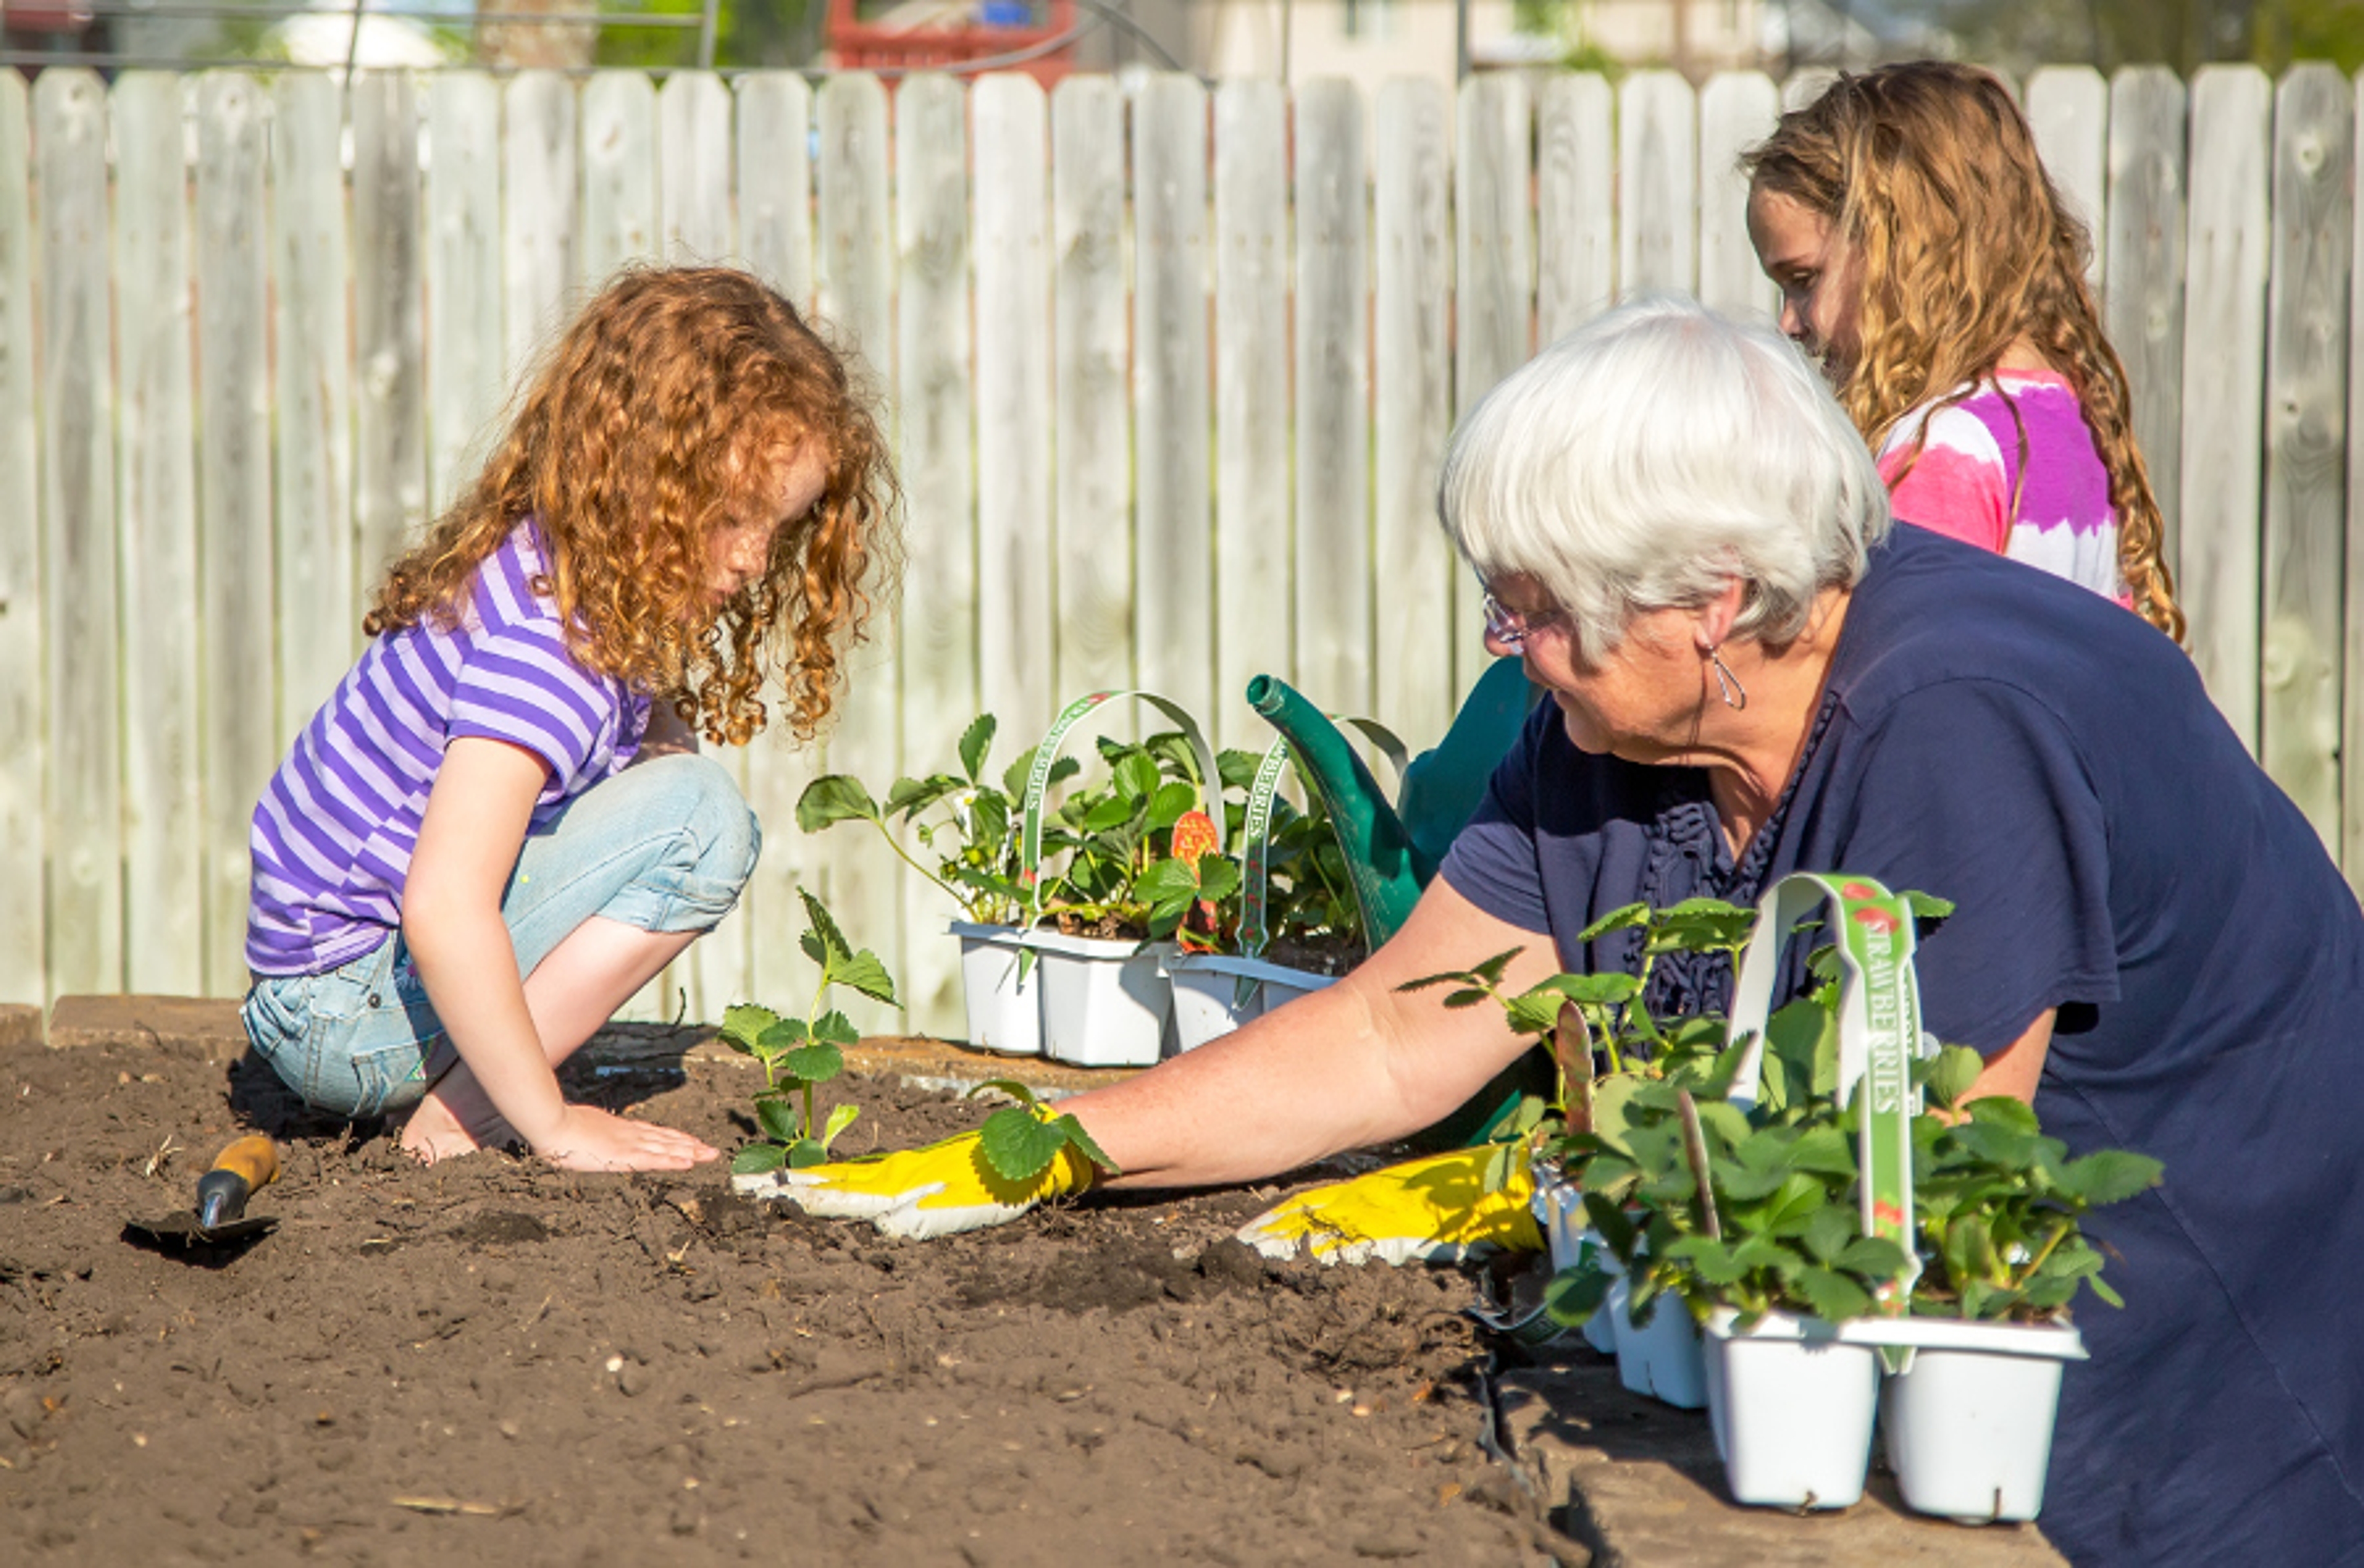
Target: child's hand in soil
[935,1191]
[1437,1209]
[589,1139]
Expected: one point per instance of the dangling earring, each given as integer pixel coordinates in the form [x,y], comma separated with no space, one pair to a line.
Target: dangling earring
[1735,696]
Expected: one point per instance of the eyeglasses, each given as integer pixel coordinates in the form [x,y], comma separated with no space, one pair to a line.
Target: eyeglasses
[1512,628]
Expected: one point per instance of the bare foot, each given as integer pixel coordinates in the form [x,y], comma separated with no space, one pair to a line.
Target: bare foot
[433,1133]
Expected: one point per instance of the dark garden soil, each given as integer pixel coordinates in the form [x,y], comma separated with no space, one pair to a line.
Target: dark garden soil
[492,1361]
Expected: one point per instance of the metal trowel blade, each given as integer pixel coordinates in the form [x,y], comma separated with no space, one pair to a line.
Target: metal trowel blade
[183,1230]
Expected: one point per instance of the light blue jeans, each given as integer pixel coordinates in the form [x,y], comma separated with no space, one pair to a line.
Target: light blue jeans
[667,845]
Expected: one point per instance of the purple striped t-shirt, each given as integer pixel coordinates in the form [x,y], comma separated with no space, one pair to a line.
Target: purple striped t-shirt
[334,832]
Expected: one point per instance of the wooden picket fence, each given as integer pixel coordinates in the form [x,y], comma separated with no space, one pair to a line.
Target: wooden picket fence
[1170,376]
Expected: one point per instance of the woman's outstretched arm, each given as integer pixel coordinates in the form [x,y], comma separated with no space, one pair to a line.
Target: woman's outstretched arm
[1359,1062]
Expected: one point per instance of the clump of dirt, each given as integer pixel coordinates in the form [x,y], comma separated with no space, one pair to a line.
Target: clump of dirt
[492,1360]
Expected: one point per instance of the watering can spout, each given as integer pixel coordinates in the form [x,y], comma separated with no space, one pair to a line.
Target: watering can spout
[1386,871]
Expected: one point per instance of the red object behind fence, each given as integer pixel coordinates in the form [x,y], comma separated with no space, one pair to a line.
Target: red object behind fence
[957,35]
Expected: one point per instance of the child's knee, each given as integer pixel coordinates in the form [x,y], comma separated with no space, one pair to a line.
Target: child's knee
[720,839]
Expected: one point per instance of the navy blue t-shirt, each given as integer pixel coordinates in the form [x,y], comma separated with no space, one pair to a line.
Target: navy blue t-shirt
[2051,763]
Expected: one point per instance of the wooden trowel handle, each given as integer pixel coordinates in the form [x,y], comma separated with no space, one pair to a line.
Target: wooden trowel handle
[254,1158]
[241,1170]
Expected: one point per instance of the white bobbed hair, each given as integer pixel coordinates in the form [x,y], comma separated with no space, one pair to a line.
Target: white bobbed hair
[1655,454]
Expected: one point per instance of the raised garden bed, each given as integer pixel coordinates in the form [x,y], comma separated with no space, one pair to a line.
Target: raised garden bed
[501,1361]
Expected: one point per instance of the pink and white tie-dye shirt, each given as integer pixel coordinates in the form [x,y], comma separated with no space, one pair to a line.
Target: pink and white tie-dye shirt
[1964,481]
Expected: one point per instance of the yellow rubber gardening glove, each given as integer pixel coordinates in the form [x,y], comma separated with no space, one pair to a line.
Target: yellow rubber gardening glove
[936,1191]
[1435,1209]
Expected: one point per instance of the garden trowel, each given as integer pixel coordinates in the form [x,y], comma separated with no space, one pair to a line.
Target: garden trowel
[218,1218]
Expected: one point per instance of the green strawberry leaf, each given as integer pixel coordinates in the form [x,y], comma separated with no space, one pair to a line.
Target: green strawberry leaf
[757,1158]
[779,1120]
[2108,1176]
[864,973]
[834,798]
[975,742]
[815,1063]
[1018,1145]
[824,927]
[1074,1134]
[743,1024]
[834,1028]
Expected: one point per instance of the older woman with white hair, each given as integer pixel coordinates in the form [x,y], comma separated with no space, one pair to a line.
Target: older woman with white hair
[1754,672]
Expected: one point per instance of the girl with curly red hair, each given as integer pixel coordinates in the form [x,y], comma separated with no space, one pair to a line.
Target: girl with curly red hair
[498,828]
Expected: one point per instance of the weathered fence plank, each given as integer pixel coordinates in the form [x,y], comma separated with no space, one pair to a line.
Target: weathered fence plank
[694,221]
[620,173]
[1333,389]
[319,629]
[1657,184]
[1575,201]
[390,495]
[1090,634]
[2223,381]
[774,157]
[80,615]
[940,579]
[1253,574]
[2351,845]
[1174,575]
[2303,563]
[156,522]
[862,879]
[541,191]
[694,169]
[237,746]
[2068,110]
[23,609]
[1494,286]
[2142,304]
[1413,410]
[1021,522]
[465,343]
[1736,110]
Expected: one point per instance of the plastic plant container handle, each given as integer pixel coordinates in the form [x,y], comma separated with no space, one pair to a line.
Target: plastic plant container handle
[1879,1034]
[1047,753]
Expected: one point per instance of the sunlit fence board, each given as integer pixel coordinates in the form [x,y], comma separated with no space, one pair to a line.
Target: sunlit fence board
[2304,565]
[2069,109]
[1493,285]
[1090,628]
[2142,301]
[855,279]
[237,743]
[80,611]
[1173,567]
[773,127]
[1412,369]
[2228,243]
[1252,402]
[156,517]
[940,582]
[1332,569]
[23,838]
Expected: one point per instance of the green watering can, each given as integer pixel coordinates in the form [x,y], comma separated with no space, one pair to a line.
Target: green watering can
[1392,850]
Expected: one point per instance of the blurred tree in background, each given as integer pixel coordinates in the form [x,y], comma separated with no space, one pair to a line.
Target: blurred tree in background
[748,34]
[2018,35]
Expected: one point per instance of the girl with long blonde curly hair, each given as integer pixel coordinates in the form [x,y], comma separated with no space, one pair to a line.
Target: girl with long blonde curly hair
[1925,257]
[498,828]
